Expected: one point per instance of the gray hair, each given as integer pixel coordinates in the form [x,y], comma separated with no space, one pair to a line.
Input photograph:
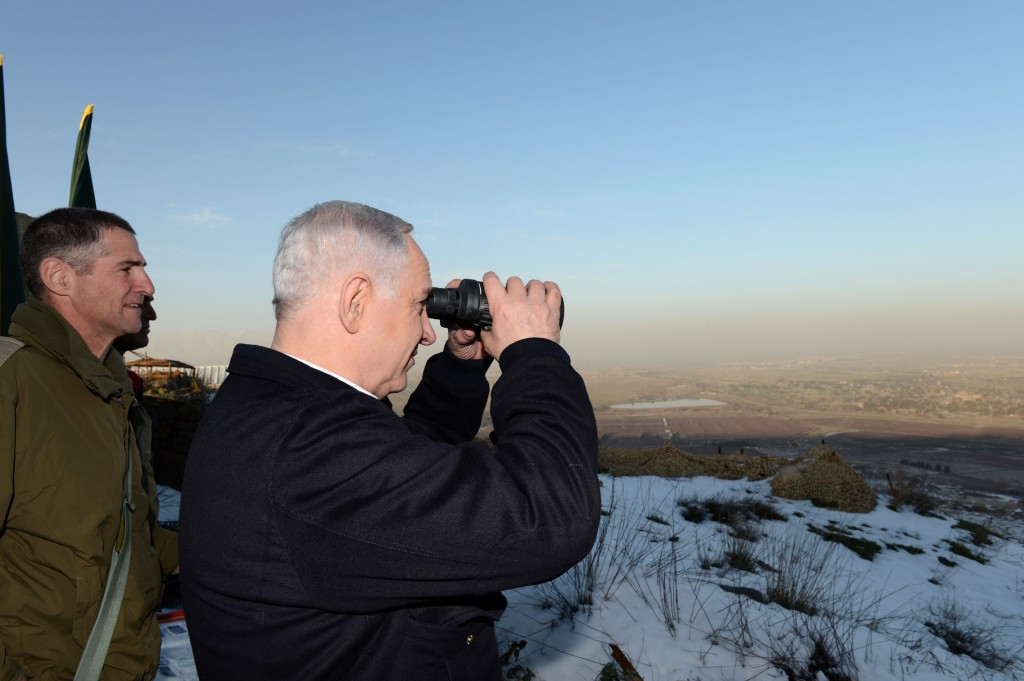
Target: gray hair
[337,236]
[75,235]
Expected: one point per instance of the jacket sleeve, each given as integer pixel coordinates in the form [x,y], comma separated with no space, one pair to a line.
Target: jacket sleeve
[164,541]
[376,516]
[448,404]
[8,670]
[7,420]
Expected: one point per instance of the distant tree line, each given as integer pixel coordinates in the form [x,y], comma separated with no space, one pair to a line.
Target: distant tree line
[926,465]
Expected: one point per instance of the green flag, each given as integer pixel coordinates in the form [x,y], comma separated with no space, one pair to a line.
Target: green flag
[82,195]
[12,288]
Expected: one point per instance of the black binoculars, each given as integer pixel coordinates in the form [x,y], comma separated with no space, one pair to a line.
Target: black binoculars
[465,307]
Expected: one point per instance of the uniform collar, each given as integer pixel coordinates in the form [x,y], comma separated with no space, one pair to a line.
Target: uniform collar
[40,326]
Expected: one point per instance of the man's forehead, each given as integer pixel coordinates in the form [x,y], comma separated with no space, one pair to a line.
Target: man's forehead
[121,245]
[419,265]
[424,286]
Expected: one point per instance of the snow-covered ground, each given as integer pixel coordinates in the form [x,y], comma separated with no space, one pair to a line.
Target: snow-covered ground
[691,599]
[664,590]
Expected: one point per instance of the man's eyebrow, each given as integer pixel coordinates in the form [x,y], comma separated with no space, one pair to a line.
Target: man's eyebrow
[130,261]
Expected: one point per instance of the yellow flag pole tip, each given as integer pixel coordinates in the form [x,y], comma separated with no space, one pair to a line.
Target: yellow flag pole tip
[85,114]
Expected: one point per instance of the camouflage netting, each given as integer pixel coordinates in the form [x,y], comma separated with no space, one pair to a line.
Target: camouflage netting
[820,475]
[180,387]
[668,462]
[823,476]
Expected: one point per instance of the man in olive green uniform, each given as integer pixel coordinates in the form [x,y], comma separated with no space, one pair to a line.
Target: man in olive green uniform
[69,422]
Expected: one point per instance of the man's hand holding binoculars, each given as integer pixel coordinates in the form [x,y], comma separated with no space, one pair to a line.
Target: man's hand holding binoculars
[486,317]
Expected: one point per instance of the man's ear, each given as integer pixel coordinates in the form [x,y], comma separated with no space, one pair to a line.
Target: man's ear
[57,276]
[356,292]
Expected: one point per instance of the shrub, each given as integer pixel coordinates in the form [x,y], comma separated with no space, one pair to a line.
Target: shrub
[980,535]
[512,670]
[823,657]
[961,549]
[822,603]
[739,555]
[913,550]
[910,493]
[865,548]
[735,513]
[693,512]
[964,632]
[625,545]
[610,672]
[804,578]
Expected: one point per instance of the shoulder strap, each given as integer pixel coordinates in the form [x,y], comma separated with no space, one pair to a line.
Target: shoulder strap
[8,346]
[95,653]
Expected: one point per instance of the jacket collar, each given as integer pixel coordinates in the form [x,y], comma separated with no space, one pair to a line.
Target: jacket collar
[267,363]
[40,326]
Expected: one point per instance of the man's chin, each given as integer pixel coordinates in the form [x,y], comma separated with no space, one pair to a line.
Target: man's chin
[398,385]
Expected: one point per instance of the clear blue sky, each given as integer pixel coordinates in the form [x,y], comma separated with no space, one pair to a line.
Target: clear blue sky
[704,179]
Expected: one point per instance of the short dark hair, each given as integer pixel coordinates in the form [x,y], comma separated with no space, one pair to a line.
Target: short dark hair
[72,234]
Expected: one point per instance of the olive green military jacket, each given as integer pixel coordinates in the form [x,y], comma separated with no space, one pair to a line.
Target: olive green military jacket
[67,427]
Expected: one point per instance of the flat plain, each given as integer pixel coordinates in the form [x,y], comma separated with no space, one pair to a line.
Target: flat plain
[951,421]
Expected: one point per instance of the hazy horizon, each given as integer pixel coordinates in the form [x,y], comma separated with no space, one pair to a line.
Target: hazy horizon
[617,343]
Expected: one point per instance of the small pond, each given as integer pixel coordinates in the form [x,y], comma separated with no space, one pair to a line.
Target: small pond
[670,404]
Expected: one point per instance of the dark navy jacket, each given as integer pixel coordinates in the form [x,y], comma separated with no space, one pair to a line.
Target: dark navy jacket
[324,537]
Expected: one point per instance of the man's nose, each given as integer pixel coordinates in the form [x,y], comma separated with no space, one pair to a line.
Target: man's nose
[428,331]
[145,284]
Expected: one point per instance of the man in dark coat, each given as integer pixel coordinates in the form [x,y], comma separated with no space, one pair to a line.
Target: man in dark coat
[326,537]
